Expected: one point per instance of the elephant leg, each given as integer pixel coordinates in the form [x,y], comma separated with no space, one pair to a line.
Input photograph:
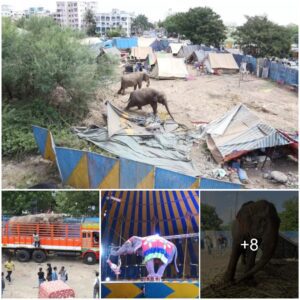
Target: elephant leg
[123,91]
[235,254]
[135,86]
[120,91]
[250,261]
[154,107]
[139,107]
[140,85]
[150,268]
[161,270]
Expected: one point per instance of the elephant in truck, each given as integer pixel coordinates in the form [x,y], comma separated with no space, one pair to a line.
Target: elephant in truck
[133,79]
[152,248]
[257,224]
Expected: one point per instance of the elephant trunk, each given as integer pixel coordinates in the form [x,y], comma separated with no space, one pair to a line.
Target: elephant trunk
[175,259]
[117,252]
[267,255]
[148,82]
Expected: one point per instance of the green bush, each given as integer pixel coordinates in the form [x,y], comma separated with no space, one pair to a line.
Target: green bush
[37,57]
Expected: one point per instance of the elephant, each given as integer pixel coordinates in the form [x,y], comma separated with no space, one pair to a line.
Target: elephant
[151,248]
[147,96]
[255,220]
[133,79]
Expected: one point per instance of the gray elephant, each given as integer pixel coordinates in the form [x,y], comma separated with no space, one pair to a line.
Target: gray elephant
[151,248]
[255,221]
[147,96]
[133,79]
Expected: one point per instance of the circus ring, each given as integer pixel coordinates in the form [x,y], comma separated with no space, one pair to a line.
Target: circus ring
[173,215]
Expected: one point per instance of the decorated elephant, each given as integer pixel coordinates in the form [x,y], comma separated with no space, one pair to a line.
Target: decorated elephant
[133,79]
[152,248]
[256,225]
[147,96]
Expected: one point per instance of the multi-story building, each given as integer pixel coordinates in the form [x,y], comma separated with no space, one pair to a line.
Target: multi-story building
[8,10]
[37,11]
[72,13]
[115,19]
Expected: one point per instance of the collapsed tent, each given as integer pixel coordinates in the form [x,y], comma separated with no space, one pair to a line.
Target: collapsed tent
[174,48]
[221,61]
[240,131]
[125,43]
[141,52]
[169,68]
[186,51]
[170,214]
[198,56]
[131,136]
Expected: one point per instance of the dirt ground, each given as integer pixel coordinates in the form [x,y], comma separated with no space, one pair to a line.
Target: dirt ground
[25,282]
[278,279]
[203,99]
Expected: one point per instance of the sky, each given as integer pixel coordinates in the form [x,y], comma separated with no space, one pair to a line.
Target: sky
[231,11]
[226,201]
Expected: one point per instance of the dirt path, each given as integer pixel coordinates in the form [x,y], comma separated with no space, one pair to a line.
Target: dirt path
[25,283]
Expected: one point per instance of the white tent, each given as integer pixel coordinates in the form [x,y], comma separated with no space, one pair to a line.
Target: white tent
[221,61]
[145,42]
[238,132]
[175,47]
[141,52]
[169,67]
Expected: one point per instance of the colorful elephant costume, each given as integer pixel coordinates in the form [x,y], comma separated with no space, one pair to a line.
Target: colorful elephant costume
[151,248]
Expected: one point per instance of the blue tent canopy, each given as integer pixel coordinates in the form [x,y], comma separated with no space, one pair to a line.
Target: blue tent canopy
[125,43]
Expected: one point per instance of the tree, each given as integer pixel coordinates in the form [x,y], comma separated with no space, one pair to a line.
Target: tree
[75,204]
[90,22]
[140,24]
[209,218]
[289,217]
[116,32]
[260,37]
[293,31]
[201,25]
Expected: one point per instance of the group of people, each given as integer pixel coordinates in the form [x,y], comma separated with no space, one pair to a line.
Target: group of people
[52,274]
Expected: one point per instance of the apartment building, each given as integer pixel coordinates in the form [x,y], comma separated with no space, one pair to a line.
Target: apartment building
[115,19]
[9,11]
[72,13]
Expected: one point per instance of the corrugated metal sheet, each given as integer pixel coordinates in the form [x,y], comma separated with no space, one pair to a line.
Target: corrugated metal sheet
[280,72]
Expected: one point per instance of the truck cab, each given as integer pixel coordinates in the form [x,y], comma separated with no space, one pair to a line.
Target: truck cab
[90,244]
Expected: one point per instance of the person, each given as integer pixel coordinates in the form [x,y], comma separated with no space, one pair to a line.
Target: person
[36,240]
[63,274]
[49,272]
[2,282]
[209,244]
[54,274]
[96,286]
[9,266]
[41,276]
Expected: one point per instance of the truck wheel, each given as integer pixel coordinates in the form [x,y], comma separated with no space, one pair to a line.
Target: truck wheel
[39,256]
[90,259]
[23,255]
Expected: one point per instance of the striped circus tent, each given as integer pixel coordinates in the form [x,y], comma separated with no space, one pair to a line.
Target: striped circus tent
[143,213]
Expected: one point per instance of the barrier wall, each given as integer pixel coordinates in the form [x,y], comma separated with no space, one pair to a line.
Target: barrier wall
[88,170]
[165,289]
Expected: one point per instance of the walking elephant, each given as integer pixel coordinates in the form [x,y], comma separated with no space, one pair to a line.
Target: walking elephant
[151,248]
[133,79]
[147,96]
[259,221]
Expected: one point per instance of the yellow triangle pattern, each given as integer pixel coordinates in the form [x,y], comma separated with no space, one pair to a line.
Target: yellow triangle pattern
[121,290]
[147,182]
[49,153]
[80,175]
[183,290]
[111,180]
[195,185]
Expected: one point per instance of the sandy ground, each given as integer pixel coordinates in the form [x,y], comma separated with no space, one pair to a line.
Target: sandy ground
[278,279]
[203,99]
[25,283]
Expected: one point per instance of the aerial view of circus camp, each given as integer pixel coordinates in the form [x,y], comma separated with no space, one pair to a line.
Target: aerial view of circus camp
[187,96]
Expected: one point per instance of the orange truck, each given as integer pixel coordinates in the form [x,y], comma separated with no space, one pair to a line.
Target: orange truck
[78,239]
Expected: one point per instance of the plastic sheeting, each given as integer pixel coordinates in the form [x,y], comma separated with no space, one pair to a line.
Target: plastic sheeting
[125,43]
[222,61]
[141,52]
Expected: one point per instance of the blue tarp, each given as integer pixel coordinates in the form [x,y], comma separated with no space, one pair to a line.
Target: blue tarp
[285,74]
[125,43]
[106,44]
[160,45]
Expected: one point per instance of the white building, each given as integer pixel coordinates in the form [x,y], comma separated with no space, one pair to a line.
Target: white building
[113,20]
[72,13]
[37,11]
[8,10]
